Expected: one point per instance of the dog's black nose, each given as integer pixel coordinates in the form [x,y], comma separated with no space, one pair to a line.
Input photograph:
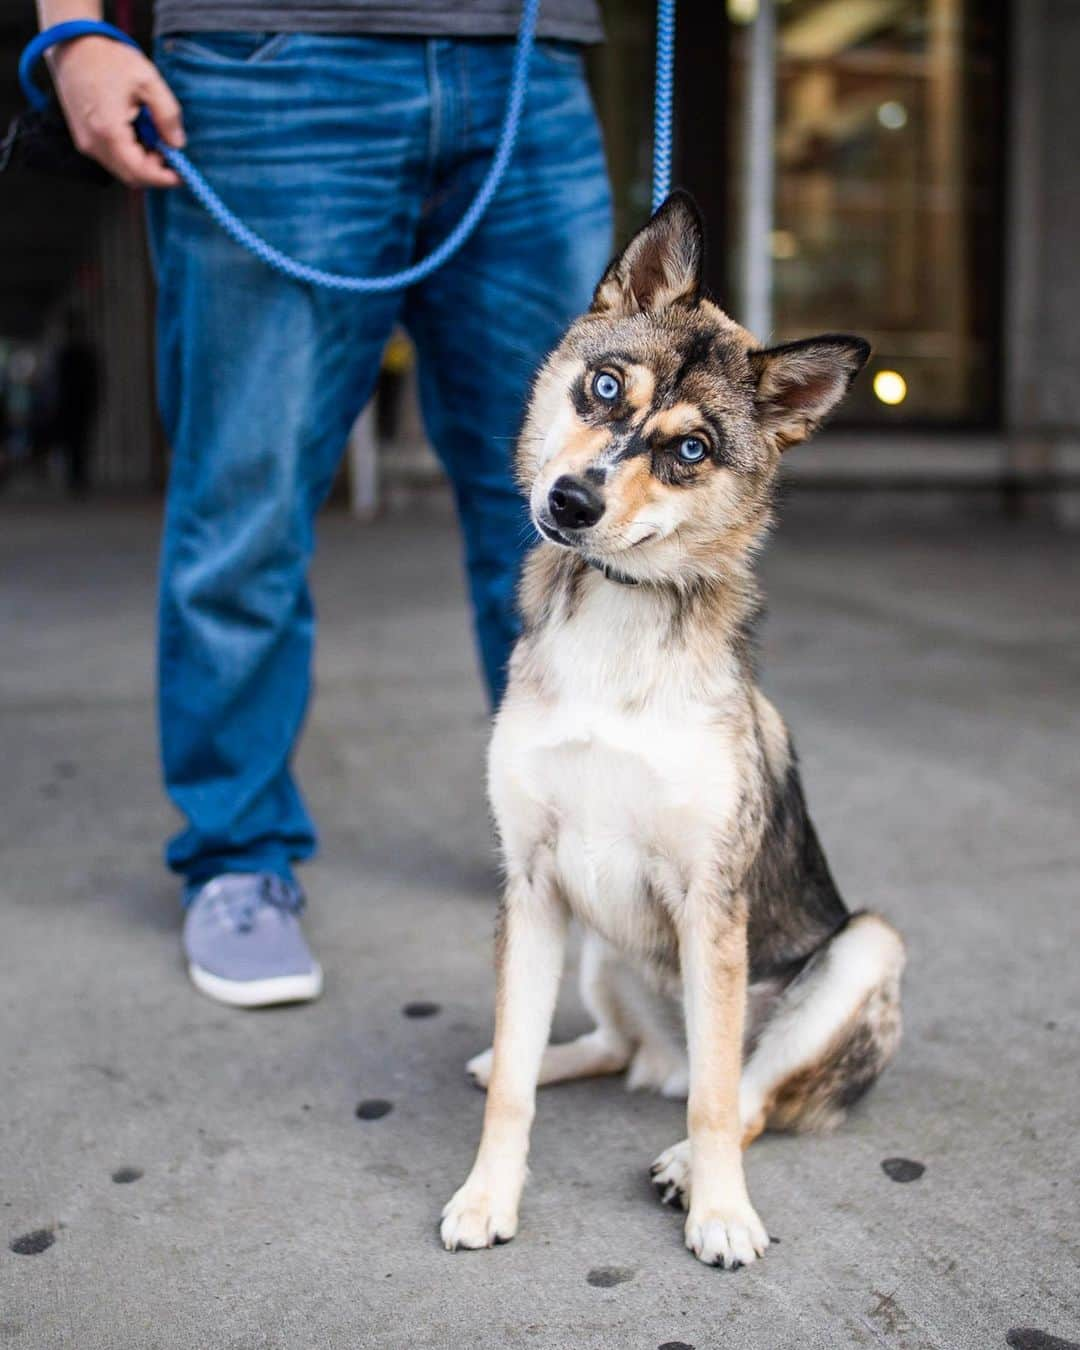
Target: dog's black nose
[573,503]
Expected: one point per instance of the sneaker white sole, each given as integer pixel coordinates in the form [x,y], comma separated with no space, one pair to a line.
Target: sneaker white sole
[258,993]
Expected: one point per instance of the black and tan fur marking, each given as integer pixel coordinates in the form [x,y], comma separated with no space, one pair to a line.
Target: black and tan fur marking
[640,780]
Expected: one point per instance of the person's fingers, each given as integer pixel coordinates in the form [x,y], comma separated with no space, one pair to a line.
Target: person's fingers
[153,173]
[164,108]
[132,163]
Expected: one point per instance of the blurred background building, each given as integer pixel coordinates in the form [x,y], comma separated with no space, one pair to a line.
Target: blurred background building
[907,169]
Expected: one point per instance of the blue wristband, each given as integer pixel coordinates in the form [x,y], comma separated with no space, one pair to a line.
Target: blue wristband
[63,32]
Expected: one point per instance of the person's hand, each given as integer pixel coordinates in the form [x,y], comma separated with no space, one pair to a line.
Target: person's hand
[102,84]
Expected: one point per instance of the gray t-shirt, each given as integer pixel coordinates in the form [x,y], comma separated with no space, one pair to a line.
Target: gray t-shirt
[570,20]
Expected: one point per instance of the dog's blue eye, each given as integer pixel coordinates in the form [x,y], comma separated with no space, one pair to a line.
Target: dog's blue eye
[607,387]
[691,450]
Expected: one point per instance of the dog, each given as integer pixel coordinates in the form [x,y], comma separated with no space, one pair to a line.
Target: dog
[643,784]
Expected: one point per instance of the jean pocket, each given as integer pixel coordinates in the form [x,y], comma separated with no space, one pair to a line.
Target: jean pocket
[225,49]
[569,55]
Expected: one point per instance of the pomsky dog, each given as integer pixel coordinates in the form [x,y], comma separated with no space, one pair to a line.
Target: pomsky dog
[640,780]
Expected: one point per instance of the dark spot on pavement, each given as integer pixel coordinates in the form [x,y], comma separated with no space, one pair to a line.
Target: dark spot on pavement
[33,1244]
[604,1277]
[107,1071]
[888,1313]
[903,1169]
[1051,1026]
[64,768]
[675,1345]
[124,1176]
[421,1009]
[374,1109]
[1027,1338]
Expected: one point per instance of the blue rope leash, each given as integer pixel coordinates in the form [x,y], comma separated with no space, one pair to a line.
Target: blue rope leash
[316,276]
[663,102]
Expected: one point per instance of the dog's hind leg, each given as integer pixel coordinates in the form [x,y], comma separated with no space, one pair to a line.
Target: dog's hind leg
[824,1041]
[831,1033]
[658,1029]
[604,1050]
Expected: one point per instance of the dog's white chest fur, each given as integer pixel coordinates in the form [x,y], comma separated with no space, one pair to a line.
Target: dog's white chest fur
[616,771]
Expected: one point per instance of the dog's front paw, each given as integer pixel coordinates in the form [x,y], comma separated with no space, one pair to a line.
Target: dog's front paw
[670,1175]
[729,1237]
[474,1218]
[479,1069]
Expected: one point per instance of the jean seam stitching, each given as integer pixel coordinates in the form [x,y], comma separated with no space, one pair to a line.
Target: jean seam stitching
[435,116]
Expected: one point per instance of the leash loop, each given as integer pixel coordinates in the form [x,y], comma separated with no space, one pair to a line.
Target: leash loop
[336,281]
[36,48]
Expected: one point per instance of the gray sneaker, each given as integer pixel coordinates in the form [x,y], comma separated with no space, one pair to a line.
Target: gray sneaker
[244,945]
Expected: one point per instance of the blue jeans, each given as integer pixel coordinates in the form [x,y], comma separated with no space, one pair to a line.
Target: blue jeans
[358,155]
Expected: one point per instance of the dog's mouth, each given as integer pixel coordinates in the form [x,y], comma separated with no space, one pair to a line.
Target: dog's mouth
[550,532]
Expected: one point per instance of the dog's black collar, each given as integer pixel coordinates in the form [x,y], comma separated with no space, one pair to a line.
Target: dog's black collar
[611,574]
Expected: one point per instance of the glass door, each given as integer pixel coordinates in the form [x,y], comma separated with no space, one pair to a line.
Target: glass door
[887,164]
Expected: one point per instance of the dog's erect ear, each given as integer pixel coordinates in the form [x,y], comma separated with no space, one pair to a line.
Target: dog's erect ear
[661,266]
[800,383]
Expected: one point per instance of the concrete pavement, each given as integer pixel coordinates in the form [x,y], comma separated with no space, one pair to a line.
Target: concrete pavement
[200,1177]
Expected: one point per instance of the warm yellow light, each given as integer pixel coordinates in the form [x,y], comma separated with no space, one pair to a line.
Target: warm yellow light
[890,387]
[742,11]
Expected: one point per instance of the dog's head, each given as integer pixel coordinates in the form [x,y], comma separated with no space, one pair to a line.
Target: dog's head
[655,428]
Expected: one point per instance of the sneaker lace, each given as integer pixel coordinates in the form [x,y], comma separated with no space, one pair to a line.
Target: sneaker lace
[238,900]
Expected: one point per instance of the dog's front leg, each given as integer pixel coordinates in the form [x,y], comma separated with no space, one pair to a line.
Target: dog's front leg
[721,1226]
[528,957]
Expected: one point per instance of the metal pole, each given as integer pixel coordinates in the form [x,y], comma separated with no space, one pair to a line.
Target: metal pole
[363,459]
[759,119]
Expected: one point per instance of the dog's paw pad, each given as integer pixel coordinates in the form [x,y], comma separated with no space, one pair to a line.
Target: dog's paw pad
[472,1220]
[670,1175]
[729,1239]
